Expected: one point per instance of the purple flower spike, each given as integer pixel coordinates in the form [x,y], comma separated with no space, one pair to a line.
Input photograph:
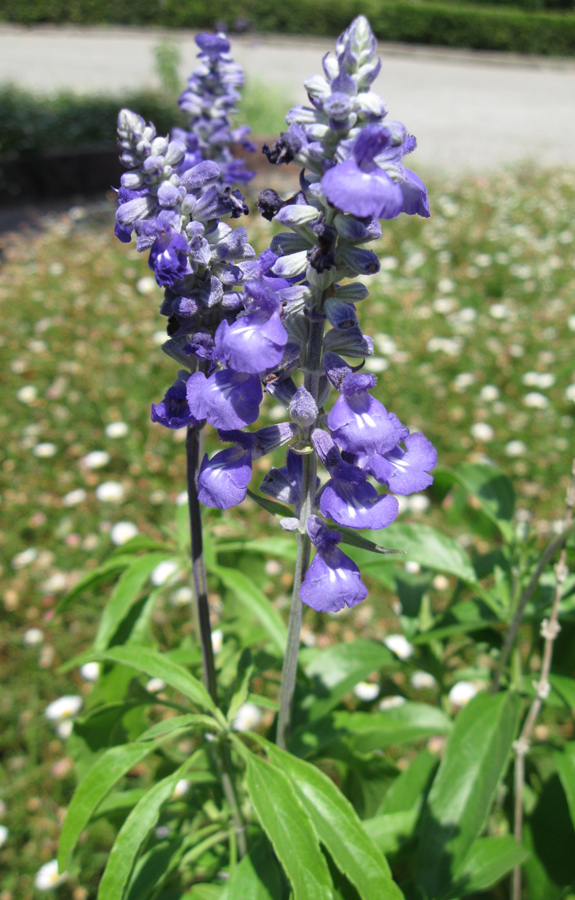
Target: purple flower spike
[350,500]
[332,581]
[223,480]
[227,399]
[358,185]
[360,423]
[404,472]
[255,342]
[169,259]
[173,411]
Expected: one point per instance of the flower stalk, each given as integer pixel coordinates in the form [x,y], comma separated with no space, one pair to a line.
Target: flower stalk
[550,628]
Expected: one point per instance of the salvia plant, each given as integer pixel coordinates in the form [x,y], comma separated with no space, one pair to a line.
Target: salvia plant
[258,789]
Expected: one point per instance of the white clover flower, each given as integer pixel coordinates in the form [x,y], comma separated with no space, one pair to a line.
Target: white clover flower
[48,877]
[385,344]
[33,637]
[462,692]
[65,707]
[122,532]
[515,448]
[90,671]
[376,364]
[481,431]
[110,492]
[181,789]
[96,459]
[443,305]
[419,503]
[399,645]
[64,729]
[422,681]
[366,691]
[25,558]
[155,685]
[146,285]
[392,702]
[389,263]
[498,311]
[164,571]
[489,392]
[182,597]
[570,394]
[535,400]
[116,430]
[3,835]
[159,338]
[45,450]
[462,381]
[412,567]
[446,285]
[571,323]
[57,582]
[217,640]
[247,717]
[182,499]
[27,394]
[74,497]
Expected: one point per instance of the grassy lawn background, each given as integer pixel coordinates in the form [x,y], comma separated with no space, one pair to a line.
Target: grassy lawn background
[473,316]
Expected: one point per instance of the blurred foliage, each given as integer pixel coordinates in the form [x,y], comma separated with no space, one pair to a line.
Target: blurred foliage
[521,26]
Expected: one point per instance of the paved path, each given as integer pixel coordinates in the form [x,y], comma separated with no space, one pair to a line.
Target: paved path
[468,110]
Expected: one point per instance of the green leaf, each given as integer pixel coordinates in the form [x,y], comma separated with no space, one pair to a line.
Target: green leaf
[142,542]
[353,539]
[489,859]
[290,831]
[431,549]
[124,595]
[176,725]
[282,547]
[256,602]
[99,781]
[460,618]
[157,665]
[565,763]
[391,830]
[131,837]
[271,506]
[244,676]
[491,488]
[457,806]
[93,579]
[335,672]
[367,733]
[257,877]
[565,688]
[338,828]
[408,789]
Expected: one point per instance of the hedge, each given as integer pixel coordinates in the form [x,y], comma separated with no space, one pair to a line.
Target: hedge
[412,21]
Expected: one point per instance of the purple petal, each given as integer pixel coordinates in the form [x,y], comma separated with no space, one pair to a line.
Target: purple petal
[407,472]
[361,424]
[349,188]
[173,411]
[253,343]
[332,582]
[415,200]
[224,479]
[227,399]
[357,505]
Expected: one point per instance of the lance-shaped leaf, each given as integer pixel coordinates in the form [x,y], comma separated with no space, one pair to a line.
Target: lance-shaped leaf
[97,784]
[124,595]
[338,828]
[257,877]
[565,763]
[255,601]
[157,665]
[93,579]
[289,829]
[490,487]
[475,760]
[132,835]
[487,862]
[431,549]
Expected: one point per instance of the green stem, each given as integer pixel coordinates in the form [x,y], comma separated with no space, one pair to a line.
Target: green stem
[309,479]
[202,623]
